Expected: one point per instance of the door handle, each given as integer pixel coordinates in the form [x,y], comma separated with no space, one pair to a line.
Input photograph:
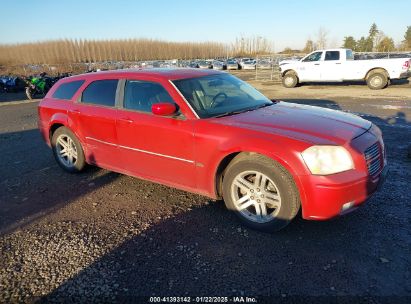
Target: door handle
[76,111]
[126,120]
[316,64]
[338,63]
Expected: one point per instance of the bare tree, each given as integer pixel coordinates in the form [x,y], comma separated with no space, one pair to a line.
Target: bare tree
[322,38]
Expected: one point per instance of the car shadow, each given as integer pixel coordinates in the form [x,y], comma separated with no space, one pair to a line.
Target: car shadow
[394,82]
[197,253]
[32,184]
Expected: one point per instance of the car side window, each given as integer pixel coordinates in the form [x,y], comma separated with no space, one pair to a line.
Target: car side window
[101,92]
[332,55]
[313,57]
[141,95]
[349,55]
[67,90]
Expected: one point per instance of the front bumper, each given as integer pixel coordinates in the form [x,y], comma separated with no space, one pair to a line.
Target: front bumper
[331,197]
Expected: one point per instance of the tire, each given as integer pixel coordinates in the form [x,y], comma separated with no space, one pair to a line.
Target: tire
[28,93]
[275,190]
[73,162]
[377,81]
[290,80]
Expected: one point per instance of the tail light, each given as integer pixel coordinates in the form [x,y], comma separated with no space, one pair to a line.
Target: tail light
[406,65]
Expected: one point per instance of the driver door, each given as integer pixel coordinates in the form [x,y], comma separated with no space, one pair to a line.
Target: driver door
[160,148]
[310,67]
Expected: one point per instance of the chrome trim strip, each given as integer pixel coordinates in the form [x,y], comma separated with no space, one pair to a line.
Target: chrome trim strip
[100,141]
[142,151]
[182,96]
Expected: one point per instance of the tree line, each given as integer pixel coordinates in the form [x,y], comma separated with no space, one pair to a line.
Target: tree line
[87,51]
[67,51]
[375,41]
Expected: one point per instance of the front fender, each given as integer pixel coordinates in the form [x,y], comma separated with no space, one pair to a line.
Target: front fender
[289,158]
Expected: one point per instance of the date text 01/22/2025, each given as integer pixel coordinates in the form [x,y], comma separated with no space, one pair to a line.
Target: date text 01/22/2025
[239,299]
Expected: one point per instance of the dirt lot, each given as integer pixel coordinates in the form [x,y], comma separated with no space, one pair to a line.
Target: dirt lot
[103,236]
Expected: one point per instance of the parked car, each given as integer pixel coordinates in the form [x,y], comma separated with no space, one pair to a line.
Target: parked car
[204,65]
[193,65]
[338,65]
[249,65]
[264,64]
[210,133]
[218,65]
[242,60]
[232,64]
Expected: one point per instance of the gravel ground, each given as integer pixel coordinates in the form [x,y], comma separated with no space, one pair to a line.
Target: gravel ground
[101,236]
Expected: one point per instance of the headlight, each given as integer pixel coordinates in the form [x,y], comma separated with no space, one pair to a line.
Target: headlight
[324,160]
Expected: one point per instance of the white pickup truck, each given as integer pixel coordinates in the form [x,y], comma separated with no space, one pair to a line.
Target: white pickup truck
[338,65]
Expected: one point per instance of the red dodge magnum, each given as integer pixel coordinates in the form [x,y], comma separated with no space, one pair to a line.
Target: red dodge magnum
[208,132]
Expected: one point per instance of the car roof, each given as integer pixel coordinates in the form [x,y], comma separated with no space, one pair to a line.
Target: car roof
[159,73]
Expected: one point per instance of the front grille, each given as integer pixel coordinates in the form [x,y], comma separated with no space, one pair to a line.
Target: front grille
[373,158]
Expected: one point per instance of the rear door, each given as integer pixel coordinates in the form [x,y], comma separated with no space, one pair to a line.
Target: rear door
[95,115]
[157,147]
[331,68]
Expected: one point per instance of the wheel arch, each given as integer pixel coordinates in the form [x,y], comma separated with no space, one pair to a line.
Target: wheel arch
[53,127]
[289,70]
[377,70]
[62,120]
[233,156]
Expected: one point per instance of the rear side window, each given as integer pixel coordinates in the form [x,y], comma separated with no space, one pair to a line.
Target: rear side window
[68,89]
[349,55]
[332,55]
[141,95]
[101,92]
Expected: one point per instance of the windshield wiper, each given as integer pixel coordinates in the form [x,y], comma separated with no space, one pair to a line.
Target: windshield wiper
[243,110]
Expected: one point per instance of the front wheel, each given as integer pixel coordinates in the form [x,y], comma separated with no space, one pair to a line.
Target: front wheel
[260,192]
[290,80]
[67,150]
[29,93]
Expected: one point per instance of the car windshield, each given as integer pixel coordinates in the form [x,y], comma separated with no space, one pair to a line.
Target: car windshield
[220,95]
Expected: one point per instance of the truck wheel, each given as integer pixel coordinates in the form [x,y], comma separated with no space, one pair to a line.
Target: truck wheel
[377,81]
[290,80]
[260,192]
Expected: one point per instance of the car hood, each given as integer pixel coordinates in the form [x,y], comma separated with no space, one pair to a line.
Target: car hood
[308,123]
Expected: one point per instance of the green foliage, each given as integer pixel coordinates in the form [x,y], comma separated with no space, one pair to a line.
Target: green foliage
[373,31]
[361,45]
[386,45]
[375,41]
[407,38]
[350,43]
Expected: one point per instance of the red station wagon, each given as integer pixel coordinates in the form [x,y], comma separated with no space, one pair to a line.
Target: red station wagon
[210,133]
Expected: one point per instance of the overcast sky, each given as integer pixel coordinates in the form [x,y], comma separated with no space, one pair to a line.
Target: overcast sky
[286,23]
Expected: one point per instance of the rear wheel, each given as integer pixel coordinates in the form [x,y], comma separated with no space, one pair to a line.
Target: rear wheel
[377,81]
[260,192]
[29,93]
[67,150]
[290,80]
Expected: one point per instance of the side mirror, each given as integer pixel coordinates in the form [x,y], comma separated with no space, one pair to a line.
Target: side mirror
[163,109]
